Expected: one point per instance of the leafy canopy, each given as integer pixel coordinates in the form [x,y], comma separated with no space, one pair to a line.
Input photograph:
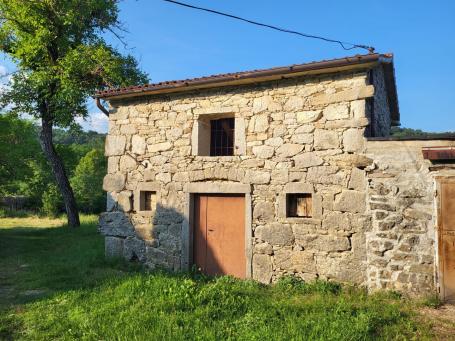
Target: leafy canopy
[60,55]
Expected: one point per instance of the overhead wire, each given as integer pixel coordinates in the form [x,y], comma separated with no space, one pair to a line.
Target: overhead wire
[343,44]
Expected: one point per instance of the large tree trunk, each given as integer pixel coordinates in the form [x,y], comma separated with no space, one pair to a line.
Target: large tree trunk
[59,172]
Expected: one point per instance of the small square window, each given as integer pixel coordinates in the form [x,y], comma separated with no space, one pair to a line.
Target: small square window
[299,205]
[147,201]
[222,137]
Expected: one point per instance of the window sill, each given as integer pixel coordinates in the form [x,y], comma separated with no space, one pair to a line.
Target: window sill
[217,158]
[302,220]
[145,213]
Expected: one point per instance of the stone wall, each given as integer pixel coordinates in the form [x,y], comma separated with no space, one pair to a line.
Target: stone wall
[303,132]
[402,244]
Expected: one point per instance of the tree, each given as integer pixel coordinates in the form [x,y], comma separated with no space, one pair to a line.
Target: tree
[61,59]
[88,181]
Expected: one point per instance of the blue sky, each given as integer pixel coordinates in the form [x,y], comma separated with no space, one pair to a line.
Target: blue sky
[172,42]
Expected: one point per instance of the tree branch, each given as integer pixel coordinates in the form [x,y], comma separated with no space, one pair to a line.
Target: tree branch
[120,38]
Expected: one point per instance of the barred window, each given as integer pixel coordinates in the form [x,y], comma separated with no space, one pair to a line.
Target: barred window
[222,137]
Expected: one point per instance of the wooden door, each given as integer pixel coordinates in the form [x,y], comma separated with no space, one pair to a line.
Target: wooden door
[219,234]
[447,240]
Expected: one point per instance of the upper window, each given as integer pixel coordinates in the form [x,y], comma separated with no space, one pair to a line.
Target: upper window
[222,137]
[218,135]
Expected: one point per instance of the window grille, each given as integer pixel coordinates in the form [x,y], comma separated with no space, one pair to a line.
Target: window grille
[222,137]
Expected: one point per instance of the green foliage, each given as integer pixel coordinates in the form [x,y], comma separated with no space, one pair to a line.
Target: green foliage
[292,283]
[408,132]
[61,57]
[52,201]
[77,294]
[87,181]
[18,147]
[13,214]
[24,171]
[34,185]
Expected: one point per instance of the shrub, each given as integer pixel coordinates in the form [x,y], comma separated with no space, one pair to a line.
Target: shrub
[52,201]
[87,182]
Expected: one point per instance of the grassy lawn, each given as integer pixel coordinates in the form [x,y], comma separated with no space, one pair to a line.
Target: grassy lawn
[55,284]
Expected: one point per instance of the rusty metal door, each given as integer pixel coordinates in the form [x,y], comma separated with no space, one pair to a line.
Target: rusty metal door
[447,240]
[219,234]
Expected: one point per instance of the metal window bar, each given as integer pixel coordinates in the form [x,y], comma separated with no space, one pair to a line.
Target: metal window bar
[222,137]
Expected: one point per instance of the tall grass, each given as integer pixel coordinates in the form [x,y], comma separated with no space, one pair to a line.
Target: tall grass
[77,295]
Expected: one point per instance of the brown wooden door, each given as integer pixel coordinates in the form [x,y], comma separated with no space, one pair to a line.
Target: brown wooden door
[219,234]
[447,240]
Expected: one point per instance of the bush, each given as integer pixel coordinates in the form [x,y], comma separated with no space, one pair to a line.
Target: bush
[87,182]
[52,201]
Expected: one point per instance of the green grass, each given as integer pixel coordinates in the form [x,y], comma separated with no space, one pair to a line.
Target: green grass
[55,284]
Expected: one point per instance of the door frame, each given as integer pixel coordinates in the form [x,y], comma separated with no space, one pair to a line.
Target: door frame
[193,188]
[439,233]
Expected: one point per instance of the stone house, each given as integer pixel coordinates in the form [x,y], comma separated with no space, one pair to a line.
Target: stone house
[284,171]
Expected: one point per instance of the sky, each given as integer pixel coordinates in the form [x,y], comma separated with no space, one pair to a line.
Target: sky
[173,42]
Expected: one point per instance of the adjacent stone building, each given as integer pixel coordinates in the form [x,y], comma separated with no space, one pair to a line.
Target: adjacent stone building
[284,171]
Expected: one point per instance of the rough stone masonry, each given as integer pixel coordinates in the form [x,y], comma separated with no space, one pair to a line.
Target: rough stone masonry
[373,206]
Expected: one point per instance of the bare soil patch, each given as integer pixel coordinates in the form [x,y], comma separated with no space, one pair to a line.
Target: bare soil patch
[442,321]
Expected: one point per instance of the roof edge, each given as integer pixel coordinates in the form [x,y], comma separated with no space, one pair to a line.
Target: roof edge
[255,76]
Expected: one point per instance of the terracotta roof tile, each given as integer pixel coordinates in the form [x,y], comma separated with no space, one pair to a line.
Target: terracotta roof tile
[213,80]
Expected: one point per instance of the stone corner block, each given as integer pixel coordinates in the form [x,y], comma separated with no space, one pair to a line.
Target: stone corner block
[114,182]
[115,224]
[138,145]
[353,140]
[115,145]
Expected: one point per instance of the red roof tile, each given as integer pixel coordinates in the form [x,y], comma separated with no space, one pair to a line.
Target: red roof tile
[180,85]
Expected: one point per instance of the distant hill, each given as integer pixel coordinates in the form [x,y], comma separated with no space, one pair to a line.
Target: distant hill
[76,136]
[408,132]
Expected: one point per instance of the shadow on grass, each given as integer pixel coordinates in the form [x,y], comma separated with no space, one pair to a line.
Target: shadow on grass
[37,262]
